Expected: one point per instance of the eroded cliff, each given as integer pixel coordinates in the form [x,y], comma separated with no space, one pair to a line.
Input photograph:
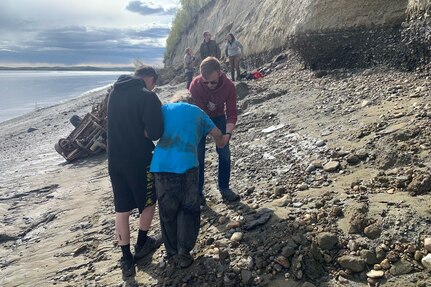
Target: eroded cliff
[325,33]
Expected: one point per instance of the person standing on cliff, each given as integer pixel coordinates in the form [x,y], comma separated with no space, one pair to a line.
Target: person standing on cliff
[134,122]
[234,49]
[175,166]
[214,93]
[189,69]
[209,48]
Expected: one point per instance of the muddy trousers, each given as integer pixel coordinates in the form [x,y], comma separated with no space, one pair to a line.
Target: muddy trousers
[179,210]
[234,66]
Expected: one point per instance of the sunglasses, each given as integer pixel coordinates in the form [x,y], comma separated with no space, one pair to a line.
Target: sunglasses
[210,82]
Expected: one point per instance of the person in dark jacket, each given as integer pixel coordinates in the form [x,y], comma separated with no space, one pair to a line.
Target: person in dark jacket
[209,48]
[134,121]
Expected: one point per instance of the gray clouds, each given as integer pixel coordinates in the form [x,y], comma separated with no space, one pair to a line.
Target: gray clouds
[82,31]
[147,8]
[76,45]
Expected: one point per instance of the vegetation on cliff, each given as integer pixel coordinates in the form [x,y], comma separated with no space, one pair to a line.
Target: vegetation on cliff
[184,17]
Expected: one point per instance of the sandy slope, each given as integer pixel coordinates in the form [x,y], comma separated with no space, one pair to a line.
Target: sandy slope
[60,230]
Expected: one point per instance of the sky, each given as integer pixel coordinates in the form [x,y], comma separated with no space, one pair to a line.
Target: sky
[84,32]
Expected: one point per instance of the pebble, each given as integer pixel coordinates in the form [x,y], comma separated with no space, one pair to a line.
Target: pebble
[285,200]
[375,274]
[385,264]
[233,225]
[320,143]
[327,240]
[427,244]
[283,261]
[426,262]
[246,276]
[401,267]
[237,237]
[356,264]
[222,220]
[331,166]
[373,231]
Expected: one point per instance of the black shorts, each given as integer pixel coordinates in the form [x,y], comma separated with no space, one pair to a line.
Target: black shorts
[133,188]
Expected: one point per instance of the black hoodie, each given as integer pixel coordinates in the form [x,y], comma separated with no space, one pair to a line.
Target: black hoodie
[132,111]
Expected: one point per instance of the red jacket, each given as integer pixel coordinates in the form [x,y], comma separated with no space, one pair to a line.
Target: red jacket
[224,98]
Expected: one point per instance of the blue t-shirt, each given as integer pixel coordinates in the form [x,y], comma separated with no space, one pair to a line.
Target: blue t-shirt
[184,127]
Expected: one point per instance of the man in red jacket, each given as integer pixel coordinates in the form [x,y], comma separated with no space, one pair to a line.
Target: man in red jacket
[214,93]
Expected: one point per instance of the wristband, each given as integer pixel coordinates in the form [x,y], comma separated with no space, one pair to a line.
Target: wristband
[230,134]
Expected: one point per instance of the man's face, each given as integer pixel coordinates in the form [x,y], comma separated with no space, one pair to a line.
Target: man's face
[207,37]
[150,83]
[212,80]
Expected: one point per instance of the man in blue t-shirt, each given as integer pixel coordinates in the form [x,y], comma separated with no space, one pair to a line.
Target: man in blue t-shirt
[175,166]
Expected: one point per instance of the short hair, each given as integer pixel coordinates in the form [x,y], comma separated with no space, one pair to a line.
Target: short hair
[146,71]
[206,32]
[182,96]
[209,65]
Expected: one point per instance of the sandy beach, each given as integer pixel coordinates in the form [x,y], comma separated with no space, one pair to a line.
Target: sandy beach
[57,219]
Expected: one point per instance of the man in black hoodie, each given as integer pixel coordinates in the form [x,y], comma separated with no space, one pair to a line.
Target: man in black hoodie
[134,121]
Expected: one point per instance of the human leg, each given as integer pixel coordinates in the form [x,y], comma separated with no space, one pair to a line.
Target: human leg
[168,187]
[189,76]
[238,70]
[232,67]
[188,220]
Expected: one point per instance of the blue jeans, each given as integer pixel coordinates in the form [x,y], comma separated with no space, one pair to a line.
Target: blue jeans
[223,158]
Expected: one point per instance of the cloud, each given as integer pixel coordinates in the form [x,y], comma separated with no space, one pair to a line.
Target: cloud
[149,8]
[79,44]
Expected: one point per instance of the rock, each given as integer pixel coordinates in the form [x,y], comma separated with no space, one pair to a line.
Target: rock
[362,154]
[385,264]
[380,253]
[365,103]
[356,264]
[320,143]
[418,255]
[223,255]
[288,251]
[233,224]
[401,267]
[279,191]
[237,237]
[222,220]
[30,130]
[310,168]
[283,261]
[246,276]
[392,256]
[375,274]
[352,159]
[259,218]
[285,200]
[209,241]
[303,186]
[369,256]
[331,166]
[327,240]
[317,163]
[242,90]
[298,204]
[373,231]
[426,262]
[427,244]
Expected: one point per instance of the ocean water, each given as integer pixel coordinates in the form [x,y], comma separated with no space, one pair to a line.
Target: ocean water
[25,91]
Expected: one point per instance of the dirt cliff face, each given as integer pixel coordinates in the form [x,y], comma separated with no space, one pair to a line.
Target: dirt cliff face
[326,33]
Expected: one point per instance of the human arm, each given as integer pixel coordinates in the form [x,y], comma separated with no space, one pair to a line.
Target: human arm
[220,139]
[201,51]
[241,47]
[153,116]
